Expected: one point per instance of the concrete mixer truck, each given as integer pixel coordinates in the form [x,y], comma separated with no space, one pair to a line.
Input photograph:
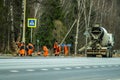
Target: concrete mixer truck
[101,42]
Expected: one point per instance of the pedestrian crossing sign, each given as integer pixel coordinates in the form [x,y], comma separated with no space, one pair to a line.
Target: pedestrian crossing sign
[32,22]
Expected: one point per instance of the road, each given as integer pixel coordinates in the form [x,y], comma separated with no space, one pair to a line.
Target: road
[60,68]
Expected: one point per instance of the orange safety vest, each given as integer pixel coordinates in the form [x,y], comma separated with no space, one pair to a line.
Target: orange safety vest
[55,45]
[58,50]
[55,48]
[22,50]
[66,50]
[45,49]
[30,50]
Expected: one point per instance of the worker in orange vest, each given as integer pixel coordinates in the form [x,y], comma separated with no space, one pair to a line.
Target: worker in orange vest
[45,49]
[56,49]
[66,50]
[22,49]
[30,48]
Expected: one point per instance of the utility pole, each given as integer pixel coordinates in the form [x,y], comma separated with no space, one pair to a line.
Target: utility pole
[4,3]
[87,23]
[12,20]
[24,20]
[77,29]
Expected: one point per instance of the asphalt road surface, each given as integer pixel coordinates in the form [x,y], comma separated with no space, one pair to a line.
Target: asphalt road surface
[60,69]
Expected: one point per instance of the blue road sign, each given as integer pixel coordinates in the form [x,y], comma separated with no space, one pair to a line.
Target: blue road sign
[69,45]
[32,22]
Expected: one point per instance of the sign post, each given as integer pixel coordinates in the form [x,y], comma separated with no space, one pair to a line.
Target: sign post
[32,22]
[24,16]
[69,45]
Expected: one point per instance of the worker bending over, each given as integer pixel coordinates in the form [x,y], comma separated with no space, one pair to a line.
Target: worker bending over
[57,48]
[22,49]
[30,49]
[45,49]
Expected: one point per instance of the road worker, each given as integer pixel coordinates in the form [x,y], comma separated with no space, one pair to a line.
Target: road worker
[56,49]
[45,49]
[22,49]
[66,50]
[30,49]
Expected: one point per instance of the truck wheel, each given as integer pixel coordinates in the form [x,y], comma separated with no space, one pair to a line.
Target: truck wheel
[104,56]
[89,55]
[94,55]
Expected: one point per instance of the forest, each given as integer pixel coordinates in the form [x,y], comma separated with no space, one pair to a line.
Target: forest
[63,20]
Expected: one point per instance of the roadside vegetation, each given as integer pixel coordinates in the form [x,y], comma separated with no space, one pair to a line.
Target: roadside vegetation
[55,19]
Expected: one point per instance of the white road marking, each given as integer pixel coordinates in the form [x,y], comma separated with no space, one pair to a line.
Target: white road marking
[41,63]
[30,70]
[103,66]
[44,69]
[109,65]
[95,66]
[68,68]
[56,68]
[14,71]
[116,65]
[108,79]
[87,66]
[77,67]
